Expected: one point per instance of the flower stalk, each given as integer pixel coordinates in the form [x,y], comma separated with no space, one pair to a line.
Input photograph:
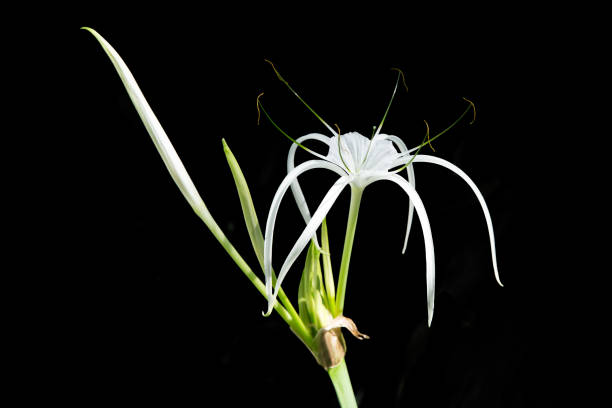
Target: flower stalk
[339,376]
[351,227]
[328,273]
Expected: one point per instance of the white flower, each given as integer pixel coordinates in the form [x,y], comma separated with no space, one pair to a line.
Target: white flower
[359,162]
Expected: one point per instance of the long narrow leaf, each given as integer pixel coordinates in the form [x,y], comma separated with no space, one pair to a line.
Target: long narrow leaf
[181,178]
[158,135]
[248,209]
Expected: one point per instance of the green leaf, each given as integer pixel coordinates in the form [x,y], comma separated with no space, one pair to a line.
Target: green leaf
[246,202]
[158,135]
[251,221]
[181,178]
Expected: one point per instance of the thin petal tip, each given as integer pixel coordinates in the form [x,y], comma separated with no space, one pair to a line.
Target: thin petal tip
[496,272]
[269,311]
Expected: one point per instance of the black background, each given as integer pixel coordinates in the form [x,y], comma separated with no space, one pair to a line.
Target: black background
[145,306]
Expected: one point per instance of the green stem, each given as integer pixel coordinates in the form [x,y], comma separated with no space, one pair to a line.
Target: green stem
[342,384]
[351,225]
[290,316]
[328,274]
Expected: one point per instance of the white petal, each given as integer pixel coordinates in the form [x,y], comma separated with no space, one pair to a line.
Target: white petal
[381,156]
[309,231]
[295,186]
[411,179]
[483,204]
[429,248]
[280,193]
[353,146]
[159,137]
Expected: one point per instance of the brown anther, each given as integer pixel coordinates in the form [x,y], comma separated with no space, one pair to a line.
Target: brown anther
[473,108]
[337,127]
[428,140]
[403,77]
[258,111]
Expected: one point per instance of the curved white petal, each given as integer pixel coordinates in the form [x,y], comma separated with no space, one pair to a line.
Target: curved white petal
[295,186]
[280,193]
[436,160]
[301,243]
[411,179]
[429,248]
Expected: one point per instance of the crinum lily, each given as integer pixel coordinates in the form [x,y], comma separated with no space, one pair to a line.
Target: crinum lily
[358,161]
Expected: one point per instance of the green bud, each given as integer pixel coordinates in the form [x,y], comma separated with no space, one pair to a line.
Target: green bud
[329,346]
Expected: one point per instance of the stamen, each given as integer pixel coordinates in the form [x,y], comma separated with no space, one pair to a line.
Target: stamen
[428,139]
[258,112]
[260,106]
[280,78]
[390,101]
[448,128]
[376,130]
[337,128]
[473,107]
[298,96]
[403,77]
[340,149]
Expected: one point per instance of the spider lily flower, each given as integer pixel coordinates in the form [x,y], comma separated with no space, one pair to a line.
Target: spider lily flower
[359,161]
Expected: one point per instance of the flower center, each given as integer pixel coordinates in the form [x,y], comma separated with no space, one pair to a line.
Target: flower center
[360,155]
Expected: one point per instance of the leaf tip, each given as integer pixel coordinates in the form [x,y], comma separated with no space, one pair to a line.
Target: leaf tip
[91,30]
